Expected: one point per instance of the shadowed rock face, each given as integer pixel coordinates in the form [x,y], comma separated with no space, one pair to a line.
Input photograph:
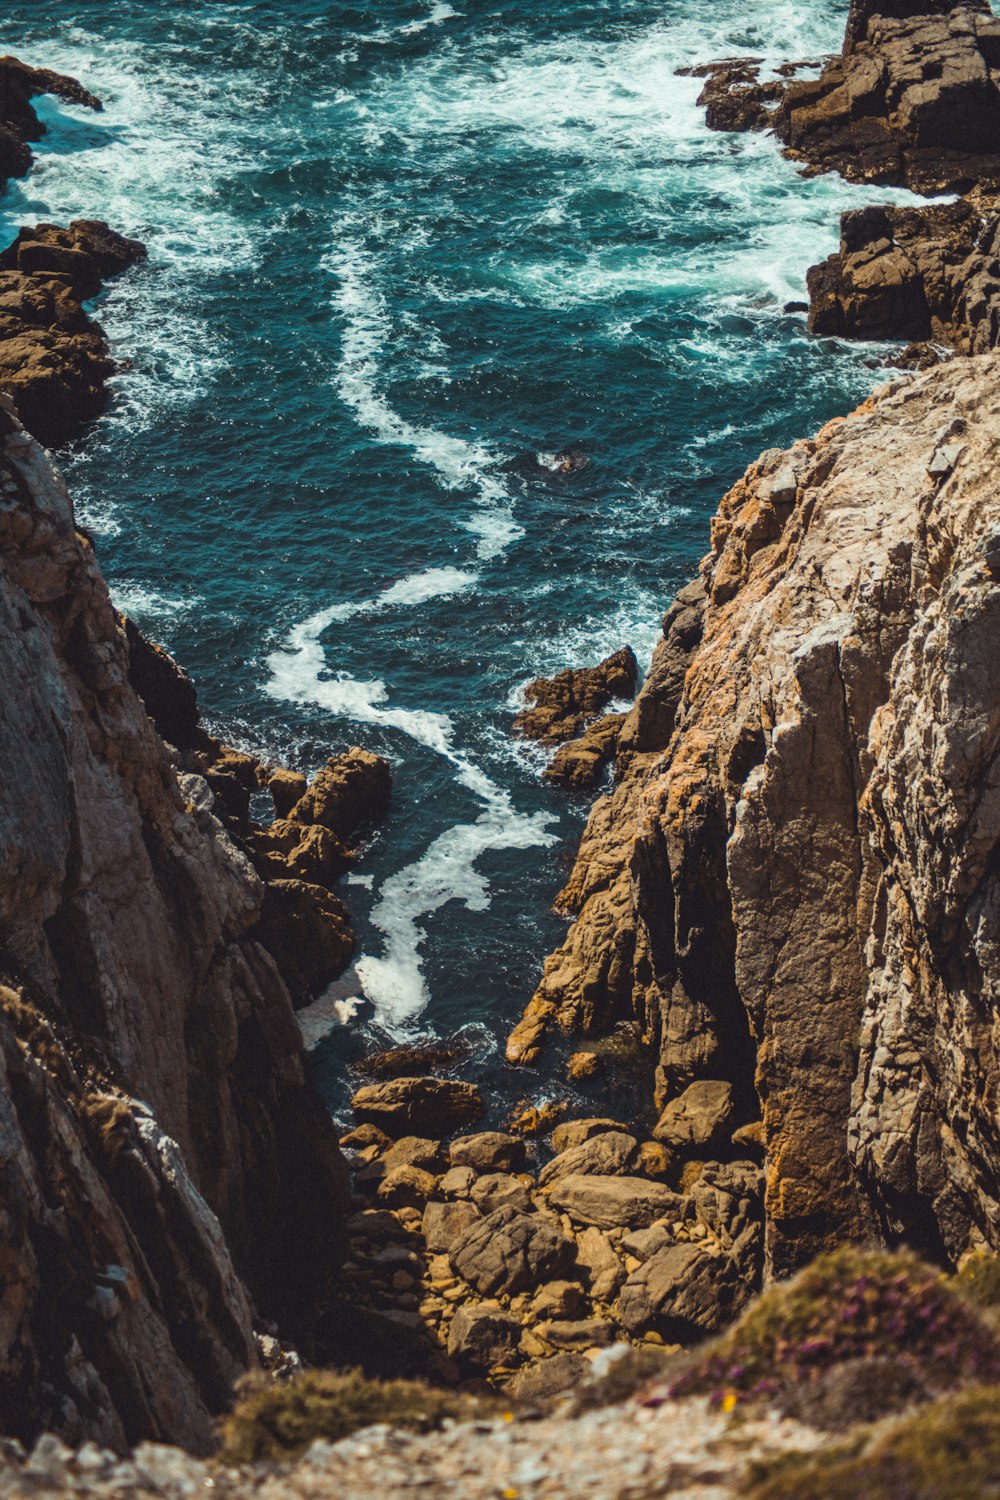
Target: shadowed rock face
[132,971]
[19,124]
[798,895]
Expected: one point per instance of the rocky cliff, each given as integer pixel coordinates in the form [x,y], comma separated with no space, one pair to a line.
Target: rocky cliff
[162,1159]
[793,887]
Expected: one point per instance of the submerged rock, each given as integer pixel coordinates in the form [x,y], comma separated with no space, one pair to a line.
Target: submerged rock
[559,707]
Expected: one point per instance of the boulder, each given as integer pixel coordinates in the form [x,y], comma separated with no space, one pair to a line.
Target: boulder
[558,1300]
[409,1060]
[308,934]
[613,1202]
[588,1333]
[483,1336]
[414,1151]
[610,1154]
[351,792]
[457,1182]
[699,1118]
[511,1252]
[490,1151]
[500,1190]
[417,1106]
[653,1160]
[582,1065]
[286,787]
[644,1243]
[572,1132]
[444,1223]
[682,1292]
[406,1187]
[580,763]
[559,707]
[548,1377]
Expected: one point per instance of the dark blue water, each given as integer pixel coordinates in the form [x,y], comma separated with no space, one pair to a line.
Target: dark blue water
[399,253]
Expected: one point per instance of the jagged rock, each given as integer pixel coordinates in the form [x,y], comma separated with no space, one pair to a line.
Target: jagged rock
[559,707]
[490,1151]
[130,918]
[351,792]
[583,1065]
[54,360]
[406,1187]
[612,1202]
[580,763]
[573,1132]
[167,692]
[409,1060]
[289,851]
[510,1252]
[483,1336]
[699,1118]
[414,1151]
[682,1292]
[444,1223]
[610,1154]
[423,1106]
[824,808]
[19,124]
[307,931]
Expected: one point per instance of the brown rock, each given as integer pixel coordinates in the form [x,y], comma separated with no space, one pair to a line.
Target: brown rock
[574,1132]
[490,1151]
[612,1202]
[409,1061]
[483,1336]
[406,1187]
[286,788]
[415,1151]
[559,707]
[580,763]
[548,1377]
[588,1333]
[444,1223]
[500,1190]
[559,1300]
[698,1118]
[610,1154]
[457,1182]
[426,1106]
[307,932]
[599,1265]
[350,793]
[654,1160]
[583,1065]
[682,1292]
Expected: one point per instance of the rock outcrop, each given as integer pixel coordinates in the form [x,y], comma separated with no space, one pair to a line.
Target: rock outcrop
[19,124]
[793,887]
[564,710]
[54,359]
[163,1159]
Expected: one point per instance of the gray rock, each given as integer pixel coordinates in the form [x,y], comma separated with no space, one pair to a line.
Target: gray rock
[599,1265]
[510,1252]
[614,1202]
[500,1190]
[586,1333]
[549,1377]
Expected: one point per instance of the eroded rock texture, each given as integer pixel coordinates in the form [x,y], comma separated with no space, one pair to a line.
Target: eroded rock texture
[19,124]
[131,972]
[793,888]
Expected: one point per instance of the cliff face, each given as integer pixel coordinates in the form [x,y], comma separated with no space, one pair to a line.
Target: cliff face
[130,973]
[794,886]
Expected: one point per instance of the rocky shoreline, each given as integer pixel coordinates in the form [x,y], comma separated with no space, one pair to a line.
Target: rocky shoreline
[789,893]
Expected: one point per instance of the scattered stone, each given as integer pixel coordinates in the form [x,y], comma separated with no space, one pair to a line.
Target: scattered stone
[700,1117]
[599,1265]
[490,1151]
[417,1106]
[415,1151]
[643,1243]
[510,1251]
[589,1333]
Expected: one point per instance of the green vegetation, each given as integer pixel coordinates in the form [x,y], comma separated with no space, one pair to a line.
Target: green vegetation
[850,1315]
[949,1450]
[273,1421]
[624,1377]
[979,1279]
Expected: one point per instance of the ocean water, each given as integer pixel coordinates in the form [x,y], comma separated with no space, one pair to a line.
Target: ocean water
[400,254]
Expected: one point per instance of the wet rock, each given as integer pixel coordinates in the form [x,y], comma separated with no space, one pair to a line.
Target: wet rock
[535,1119]
[682,1292]
[559,707]
[510,1252]
[613,1202]
[483,1336]
[490,1151]
[409,1061]
[351,792]
[422,1106]
[583,1065]
[444,1223]
[610,1154]
[580,763]
[699,1118]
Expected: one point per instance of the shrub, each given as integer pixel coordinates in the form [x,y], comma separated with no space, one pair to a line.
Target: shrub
[852,1307]
[949,1450]
[979,1279]
[272,1421]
